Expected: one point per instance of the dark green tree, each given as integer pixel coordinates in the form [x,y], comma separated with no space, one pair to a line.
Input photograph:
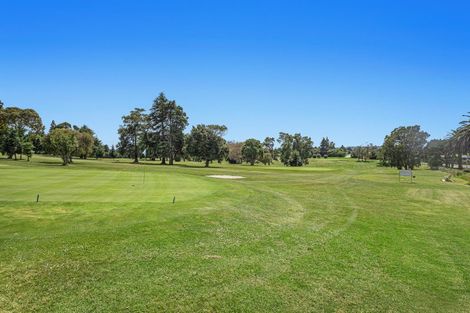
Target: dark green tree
[324,147]
[404,147]
[286,149]
[105,151]
[63,143]
[252,150]
[206,143]
[26,123]
[168,121]
[130,133]
[11,143]
[112,152]
[295,149]
[434,153]
[86,142]
[98,150]
[268,145]
[28,149]
[266,157]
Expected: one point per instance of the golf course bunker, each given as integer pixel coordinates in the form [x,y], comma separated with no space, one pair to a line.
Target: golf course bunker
[225,176]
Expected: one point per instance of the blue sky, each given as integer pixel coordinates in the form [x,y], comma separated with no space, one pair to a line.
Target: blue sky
[350,70]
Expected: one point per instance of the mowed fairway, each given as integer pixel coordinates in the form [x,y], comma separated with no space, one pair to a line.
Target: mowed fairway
[336,236]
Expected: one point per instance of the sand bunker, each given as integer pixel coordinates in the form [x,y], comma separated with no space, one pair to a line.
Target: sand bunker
[225,176]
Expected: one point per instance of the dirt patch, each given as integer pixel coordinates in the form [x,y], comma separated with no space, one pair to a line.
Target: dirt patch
[225,176]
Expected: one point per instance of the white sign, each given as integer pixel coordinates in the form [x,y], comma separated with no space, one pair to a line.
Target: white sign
[405,173]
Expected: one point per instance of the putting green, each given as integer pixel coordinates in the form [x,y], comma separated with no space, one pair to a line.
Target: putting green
[95,185]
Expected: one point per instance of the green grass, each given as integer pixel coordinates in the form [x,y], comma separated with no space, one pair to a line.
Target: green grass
[336,236]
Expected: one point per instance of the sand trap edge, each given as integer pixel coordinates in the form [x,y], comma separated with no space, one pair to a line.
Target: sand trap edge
[225,176]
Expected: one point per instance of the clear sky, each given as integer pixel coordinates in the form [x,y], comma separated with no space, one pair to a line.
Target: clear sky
[350,70]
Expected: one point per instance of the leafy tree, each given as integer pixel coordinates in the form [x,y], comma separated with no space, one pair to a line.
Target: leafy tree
[206,143]
[234,152]
[434,152]
[26,123]
[364,153]
[37,141]
[184,152]
[11,143]
[295,149]
[130,133]
[337,152]
[168,121]
[304,145]
[112,152]
[286,148]
[266,157]
[252,150]
[332,145]
[98,148]
[105,151]
[268,145]
[28,149]
[325,147]
[63,143]
[149,142]
[404,147]
[85,143]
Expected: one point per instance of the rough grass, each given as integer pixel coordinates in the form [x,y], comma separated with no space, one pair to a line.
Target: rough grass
[335,236]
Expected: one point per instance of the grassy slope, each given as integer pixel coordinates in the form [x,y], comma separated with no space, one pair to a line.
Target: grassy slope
[335,236]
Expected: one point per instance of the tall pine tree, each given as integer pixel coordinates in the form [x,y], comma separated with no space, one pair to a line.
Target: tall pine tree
[168,121]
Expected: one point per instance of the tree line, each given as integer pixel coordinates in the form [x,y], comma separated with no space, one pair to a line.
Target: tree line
[22,133]
[450,152]
[406,147]
[159,133]
[156,134]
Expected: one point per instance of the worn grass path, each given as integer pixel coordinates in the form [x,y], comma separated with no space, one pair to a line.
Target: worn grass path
[336,236]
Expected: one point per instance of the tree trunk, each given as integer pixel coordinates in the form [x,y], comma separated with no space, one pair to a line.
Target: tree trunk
[136,157]
[170,161]
[163,161]
[136,151]
[207,163]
